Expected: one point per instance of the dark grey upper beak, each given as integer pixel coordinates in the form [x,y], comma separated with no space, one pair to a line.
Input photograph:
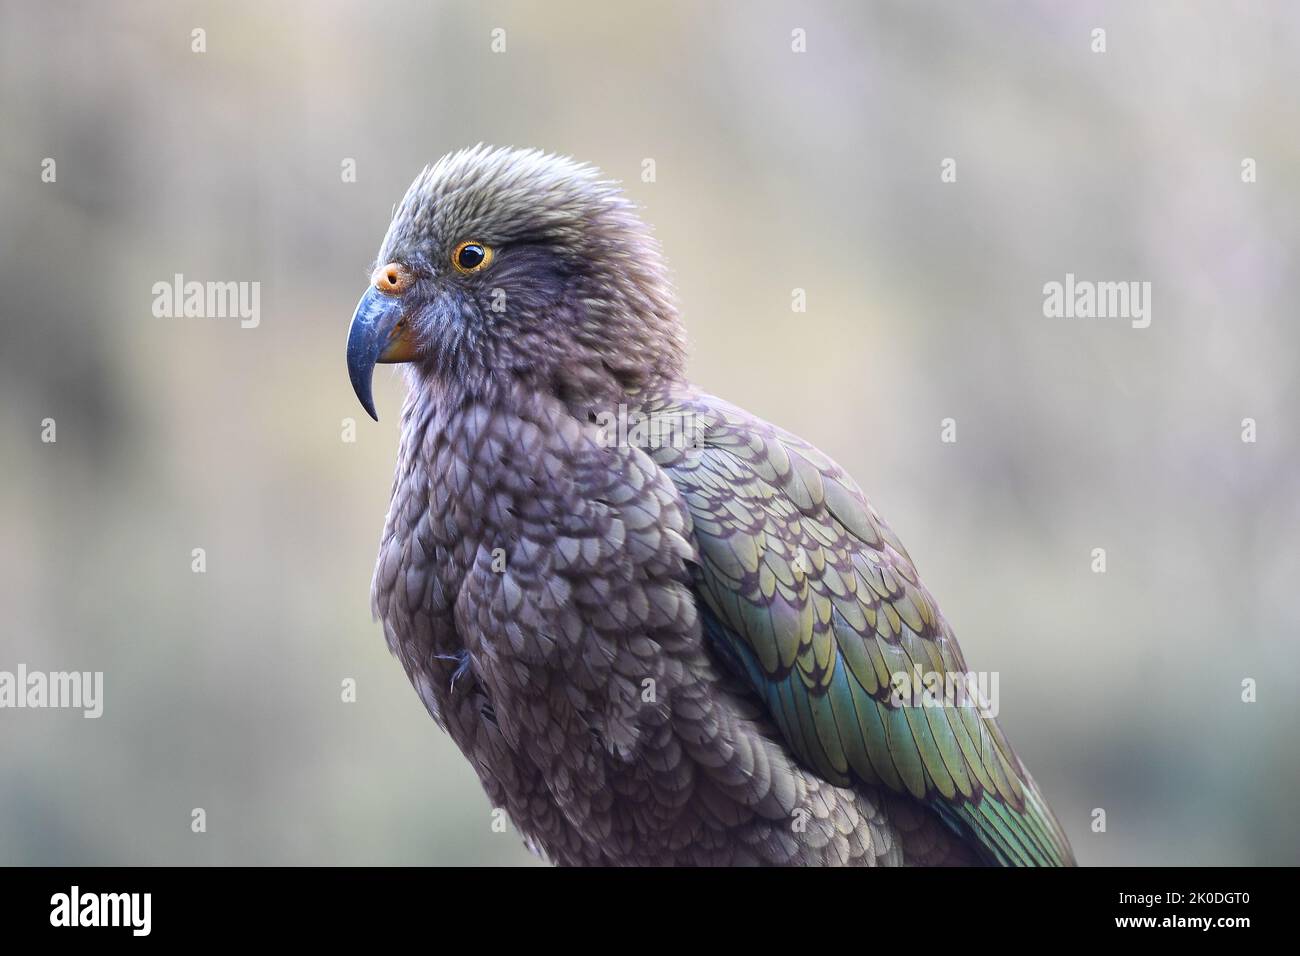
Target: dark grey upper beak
[376,335]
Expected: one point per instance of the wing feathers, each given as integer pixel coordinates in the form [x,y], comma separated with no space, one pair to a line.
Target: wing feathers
[816,599]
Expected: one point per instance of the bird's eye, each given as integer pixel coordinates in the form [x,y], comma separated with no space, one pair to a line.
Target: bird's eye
[471,257]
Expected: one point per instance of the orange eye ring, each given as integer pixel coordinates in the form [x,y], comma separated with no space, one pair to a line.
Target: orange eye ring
[471,256]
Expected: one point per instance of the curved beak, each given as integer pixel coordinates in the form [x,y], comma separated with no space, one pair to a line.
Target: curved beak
[378,335]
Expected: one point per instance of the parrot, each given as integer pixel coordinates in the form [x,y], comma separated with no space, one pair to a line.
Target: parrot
[662,631]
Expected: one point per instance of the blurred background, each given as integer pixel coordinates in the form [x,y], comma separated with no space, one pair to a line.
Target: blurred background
[775,170]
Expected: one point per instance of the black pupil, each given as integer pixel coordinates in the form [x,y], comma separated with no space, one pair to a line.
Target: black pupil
[470,256]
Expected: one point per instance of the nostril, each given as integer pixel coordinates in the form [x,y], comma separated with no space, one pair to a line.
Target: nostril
[391,278]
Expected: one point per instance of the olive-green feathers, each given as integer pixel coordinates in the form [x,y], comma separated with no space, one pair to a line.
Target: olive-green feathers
[810,592]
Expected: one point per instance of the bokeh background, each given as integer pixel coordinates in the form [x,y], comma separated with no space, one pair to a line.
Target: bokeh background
[775,170]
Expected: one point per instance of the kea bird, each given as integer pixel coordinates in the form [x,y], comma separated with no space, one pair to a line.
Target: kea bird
[661,630]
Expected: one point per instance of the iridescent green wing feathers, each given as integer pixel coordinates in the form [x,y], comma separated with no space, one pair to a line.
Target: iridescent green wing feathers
[812,597]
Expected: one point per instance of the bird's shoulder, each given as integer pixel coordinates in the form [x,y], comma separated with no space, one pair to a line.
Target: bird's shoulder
[809,594]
